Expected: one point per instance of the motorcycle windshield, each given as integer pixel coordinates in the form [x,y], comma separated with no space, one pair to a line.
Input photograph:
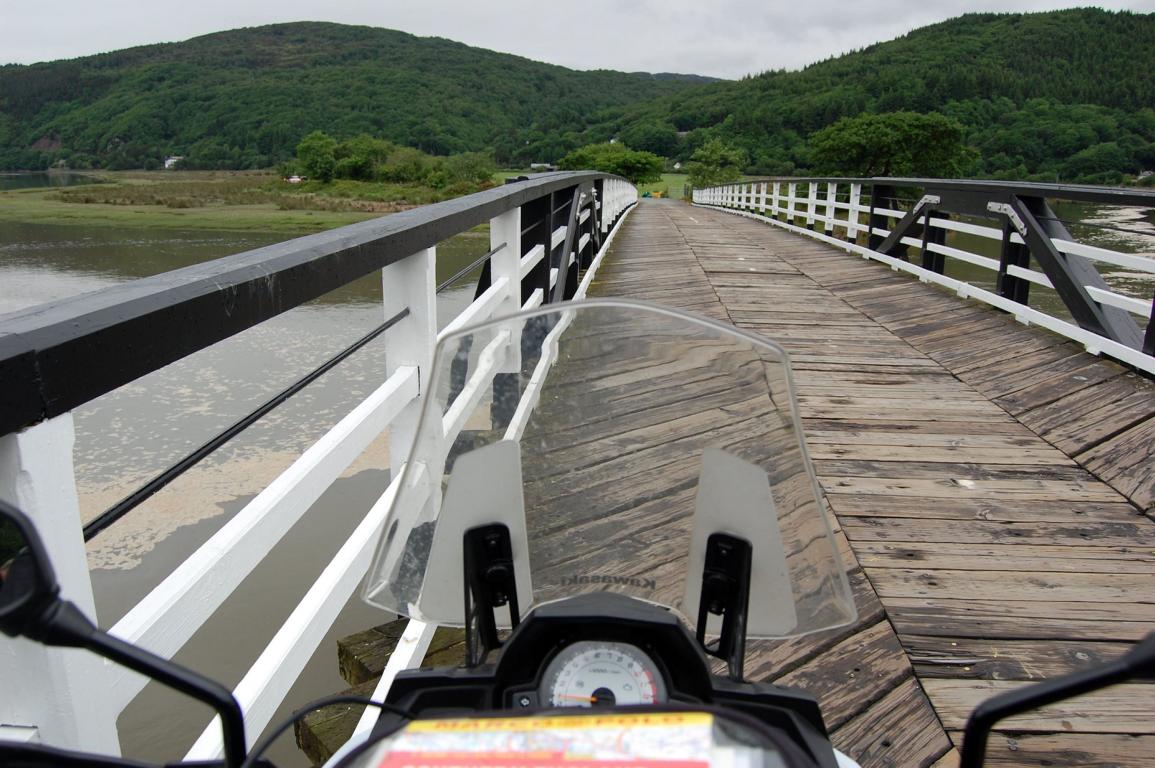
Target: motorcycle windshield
[612,439]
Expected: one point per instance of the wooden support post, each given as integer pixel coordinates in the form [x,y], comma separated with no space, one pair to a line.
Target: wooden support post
[762,199]
[58,691]
[1012,254]
[811,204]
[775,205]
[881,196]
[791,199]
[933,260]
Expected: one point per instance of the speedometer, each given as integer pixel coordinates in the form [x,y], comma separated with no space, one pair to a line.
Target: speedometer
[597,674]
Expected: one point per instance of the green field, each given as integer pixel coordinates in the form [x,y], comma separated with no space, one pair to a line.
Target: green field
[671,185]
[231,201]
[218,200]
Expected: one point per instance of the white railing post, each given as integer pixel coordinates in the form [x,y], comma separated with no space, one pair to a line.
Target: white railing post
[410,282]
[791,200]
[762,199]
[57,691]
[776,202]
[607,212]
[852,214]
[811,204]
[506,263]
[505,235]
[831,194]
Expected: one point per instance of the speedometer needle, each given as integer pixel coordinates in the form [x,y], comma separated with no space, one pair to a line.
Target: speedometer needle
[590,699]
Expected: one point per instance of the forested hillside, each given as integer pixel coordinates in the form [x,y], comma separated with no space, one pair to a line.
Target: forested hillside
[244,98]
[1067,93]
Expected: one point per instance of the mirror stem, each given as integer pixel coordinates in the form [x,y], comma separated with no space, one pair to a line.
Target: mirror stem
[67,625]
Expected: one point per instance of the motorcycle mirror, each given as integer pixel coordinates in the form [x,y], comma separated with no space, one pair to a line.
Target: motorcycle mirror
[30,606]
[27,581]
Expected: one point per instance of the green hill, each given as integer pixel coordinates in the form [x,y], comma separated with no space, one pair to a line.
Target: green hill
[1064,94]
[1033,90]
[244,98]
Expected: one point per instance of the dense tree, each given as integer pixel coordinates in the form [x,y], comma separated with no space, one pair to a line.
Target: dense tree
[891,144]
[317,155]
[716,162]
[635,165]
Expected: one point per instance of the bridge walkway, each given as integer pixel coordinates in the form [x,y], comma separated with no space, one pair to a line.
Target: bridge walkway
[983,554]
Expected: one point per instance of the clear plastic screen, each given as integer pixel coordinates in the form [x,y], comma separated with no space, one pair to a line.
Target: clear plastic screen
[612,438]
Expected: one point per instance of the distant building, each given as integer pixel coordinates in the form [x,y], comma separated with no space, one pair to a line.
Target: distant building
[677,166]
[542,167]
[172,162]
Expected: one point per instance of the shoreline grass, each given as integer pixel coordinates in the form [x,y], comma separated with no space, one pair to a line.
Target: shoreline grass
[219,200]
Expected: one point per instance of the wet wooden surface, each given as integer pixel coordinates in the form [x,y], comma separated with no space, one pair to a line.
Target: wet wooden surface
[988,479]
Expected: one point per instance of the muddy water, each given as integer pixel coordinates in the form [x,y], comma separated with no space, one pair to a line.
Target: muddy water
[126,437]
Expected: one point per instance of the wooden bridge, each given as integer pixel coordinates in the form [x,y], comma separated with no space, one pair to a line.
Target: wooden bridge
[992,482]
[988,480]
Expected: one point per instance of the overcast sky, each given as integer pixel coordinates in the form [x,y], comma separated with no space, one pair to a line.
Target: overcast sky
[722,38]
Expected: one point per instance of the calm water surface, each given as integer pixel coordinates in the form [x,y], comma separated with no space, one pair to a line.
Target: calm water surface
[40,180]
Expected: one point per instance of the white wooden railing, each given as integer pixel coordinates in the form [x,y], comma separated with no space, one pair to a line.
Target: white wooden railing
[833,212]
[71,699]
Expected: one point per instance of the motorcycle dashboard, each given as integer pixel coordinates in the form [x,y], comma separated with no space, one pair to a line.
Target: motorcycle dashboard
[591,673]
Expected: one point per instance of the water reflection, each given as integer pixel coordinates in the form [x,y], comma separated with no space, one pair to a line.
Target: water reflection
[41,180]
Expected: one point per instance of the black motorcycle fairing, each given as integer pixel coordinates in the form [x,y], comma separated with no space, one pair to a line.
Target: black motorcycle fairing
[510,685]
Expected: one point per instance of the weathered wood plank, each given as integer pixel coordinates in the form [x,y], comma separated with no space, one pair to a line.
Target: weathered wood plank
[983,617]
[1097,588]
[1069,750]
[1021,557]
[853,674]
[953,488]
[983,659]
[899,730]
[1122,708]
[1127,462]
[984,509]
[882,529]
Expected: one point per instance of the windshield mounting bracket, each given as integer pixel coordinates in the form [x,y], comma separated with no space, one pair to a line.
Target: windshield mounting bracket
[726,593]
[489,585]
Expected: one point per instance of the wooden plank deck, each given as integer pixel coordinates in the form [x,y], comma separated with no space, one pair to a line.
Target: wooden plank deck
[988,480]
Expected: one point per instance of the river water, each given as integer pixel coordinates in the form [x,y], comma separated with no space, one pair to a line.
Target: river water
[126,437]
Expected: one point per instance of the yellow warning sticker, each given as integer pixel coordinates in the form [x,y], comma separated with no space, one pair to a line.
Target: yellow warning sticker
[583,721]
